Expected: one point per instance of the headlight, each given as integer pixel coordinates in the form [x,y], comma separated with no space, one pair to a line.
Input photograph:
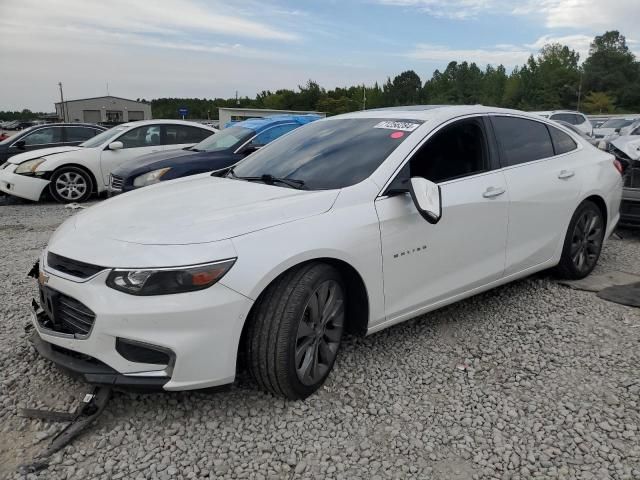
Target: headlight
[164,281]
[29,168]
[150,178]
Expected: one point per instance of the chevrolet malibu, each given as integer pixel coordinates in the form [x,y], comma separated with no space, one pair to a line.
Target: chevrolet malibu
[348,224]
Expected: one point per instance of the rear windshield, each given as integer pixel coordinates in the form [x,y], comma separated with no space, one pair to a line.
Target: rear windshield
[329,154]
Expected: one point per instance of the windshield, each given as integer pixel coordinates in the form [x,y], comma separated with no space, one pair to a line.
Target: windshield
[329,154]
[225,139]
[616,123]
[102,137]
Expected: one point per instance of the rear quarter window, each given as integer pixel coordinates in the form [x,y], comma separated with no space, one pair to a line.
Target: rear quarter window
[562,143]
[522,140]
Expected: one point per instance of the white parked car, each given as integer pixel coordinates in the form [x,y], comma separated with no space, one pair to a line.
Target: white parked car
[352,223]
[577,119]
[613,127]
[72,174]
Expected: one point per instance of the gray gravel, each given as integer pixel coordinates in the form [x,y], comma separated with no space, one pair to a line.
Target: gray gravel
[531,380]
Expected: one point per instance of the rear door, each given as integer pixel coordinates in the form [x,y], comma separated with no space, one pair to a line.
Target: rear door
[542,170]
[78,134]
[425,264]
[136,142]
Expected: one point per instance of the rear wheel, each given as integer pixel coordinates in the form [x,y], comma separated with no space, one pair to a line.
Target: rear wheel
[296,329]
[583,242]
[70,184]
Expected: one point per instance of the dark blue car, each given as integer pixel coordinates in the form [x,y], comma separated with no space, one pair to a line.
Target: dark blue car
[218,152]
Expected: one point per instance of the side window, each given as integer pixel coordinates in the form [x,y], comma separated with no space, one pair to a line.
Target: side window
[79,134]
[580,119]
[458,150]
[141,137]
[562,143]
[43,136]
[522,140]
[274,132]
[177,134]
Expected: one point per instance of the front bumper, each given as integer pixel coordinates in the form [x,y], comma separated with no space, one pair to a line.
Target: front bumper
[202,330]
[630,208]
[29,188]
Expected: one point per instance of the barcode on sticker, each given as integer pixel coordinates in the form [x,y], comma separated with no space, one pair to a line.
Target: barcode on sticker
[87,398]
[403,126]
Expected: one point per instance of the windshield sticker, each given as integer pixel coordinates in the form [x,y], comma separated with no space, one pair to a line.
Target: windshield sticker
[397,135]
[391,125]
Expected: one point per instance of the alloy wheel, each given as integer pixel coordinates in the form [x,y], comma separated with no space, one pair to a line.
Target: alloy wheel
[71,186]
[586,241]
[319,332]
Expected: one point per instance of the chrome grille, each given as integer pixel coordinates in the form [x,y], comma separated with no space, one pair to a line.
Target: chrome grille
[116,182]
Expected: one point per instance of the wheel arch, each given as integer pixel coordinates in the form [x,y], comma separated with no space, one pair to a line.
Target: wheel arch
[358,305]
[88,171]
[601,204]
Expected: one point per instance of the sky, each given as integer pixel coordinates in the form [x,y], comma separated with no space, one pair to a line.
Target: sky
[209,48]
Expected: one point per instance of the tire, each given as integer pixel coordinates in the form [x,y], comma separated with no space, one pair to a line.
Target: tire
[70,184]
[291,346]
[583,242]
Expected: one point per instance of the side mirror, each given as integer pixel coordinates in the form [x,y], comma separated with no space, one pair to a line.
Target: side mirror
[20,144]
[250,148]
[426,197]
[116,146]
[617,130]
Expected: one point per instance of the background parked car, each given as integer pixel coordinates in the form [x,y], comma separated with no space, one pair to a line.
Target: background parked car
[574,118]
[593,141]
[626,149]
[74,173]
[612,126]
[219,152]
[45,136]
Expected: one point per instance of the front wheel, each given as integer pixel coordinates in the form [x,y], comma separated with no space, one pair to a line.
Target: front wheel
[70,184]
[296,329]
[583,242]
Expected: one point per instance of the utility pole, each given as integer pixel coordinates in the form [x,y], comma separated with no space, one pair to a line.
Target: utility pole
[364,97]
[64,117]
[237,99]
[579,92]
[107,89]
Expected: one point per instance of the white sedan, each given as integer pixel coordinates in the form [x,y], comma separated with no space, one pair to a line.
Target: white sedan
[72,174]
[352,223]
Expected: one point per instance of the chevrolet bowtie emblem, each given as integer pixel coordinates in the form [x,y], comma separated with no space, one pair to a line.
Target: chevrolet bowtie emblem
[42,278]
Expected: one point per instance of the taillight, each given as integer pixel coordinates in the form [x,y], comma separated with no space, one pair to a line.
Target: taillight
[618,165]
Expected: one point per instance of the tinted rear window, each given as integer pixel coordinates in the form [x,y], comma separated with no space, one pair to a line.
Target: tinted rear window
[329,154]
[522,140]
[571,118]
[562,143]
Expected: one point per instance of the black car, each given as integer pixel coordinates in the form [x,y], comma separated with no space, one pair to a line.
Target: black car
[218,152]
[47,135]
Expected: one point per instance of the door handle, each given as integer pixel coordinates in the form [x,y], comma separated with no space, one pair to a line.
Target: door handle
[493,192]
[566,174]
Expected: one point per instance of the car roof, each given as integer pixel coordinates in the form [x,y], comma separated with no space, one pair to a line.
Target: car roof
[70,124]
[427,112]
[141,123]
[259,124]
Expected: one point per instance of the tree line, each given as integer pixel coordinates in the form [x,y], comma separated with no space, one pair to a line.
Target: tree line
[608,81]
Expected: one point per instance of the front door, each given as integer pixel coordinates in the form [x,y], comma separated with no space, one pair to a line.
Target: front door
[427,264]
[136,142]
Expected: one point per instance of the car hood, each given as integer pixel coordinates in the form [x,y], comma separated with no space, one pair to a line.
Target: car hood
[195,210]
[154,161]
[44,152]
[629,145]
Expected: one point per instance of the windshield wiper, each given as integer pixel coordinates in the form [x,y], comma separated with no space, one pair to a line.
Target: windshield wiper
[270,180]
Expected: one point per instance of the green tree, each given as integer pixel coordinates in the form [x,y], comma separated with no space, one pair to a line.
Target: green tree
[598,102]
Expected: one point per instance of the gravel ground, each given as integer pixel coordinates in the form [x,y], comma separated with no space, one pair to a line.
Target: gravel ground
[531,380]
